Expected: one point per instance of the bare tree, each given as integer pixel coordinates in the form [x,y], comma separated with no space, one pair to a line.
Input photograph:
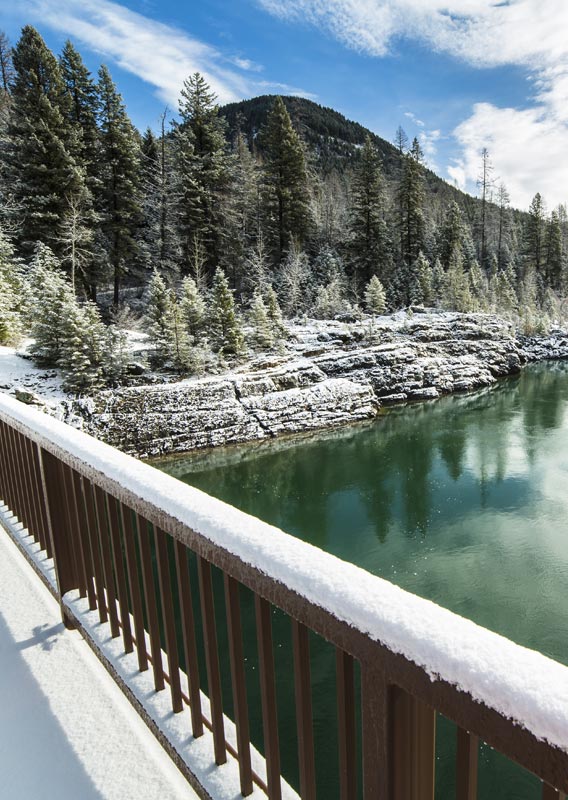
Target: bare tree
[485,182]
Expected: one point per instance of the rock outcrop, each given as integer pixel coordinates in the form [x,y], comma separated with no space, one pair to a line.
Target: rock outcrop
[333,374]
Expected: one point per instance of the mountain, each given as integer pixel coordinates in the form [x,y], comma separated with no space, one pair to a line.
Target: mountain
[333,141]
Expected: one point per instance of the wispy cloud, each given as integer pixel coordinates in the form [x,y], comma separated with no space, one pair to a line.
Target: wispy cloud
[161,55]
[528,145]
[413,118]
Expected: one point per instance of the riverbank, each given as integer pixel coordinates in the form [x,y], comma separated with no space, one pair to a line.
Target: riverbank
[331,374]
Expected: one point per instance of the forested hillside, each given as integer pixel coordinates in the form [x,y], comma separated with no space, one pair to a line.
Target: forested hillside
[225,221]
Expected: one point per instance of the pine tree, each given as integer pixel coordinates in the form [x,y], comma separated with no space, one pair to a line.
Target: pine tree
[259,319]
[375,297]
[193,309]
[554,263]
[82,347]
[10,295]
[370,243]
[411,201]
[120,174]
[39,160]
[438,282]
[420,284]
[504,290]
[158,319]
[159,238]
[204,167]
[51,294]
[452,234]
[330,300]
[80,222]
[535,235]
[285,185]
[275,314]
[457,295]
[225,326]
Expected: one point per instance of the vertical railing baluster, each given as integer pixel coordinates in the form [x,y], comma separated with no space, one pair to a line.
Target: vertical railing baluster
[150,602]
[73,534]
[18,504]
[93,536]
[32,525]
[36,493]
[134,585]
[189,639]
[466,765]
[414,747]
[212,658]
[164,582]
[268,697]
[103,537]
[304,714]
[36,453]
[118,561]
[84,542]
[238,681]
[375,724]
[344,665]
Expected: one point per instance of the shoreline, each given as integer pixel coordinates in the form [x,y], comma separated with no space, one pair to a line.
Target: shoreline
[333,375]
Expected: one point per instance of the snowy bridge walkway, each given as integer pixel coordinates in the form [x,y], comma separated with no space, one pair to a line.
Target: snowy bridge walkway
[67,730]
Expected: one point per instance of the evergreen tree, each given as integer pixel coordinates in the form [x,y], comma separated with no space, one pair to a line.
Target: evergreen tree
[504,290]
[457,295]
[438,282]
[411,201]
[51,295]
[204,167]
[421,281]
[7,75]
[275,314]
[330,300]
[120,174]
[554,265]
[535,235]
[452,234]
[375,297]
[39,161]
[370,245]
[158,319]
[11,290]
[81,353]
[225,326]
[159,239]
[260,321]
[193,309]
[285,189]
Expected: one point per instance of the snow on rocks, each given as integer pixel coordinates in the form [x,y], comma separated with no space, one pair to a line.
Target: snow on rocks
[331,373]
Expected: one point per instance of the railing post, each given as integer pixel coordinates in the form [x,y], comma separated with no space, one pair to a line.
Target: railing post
[57,530]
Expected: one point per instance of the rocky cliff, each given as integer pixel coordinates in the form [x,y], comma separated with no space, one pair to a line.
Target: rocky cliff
[331,374]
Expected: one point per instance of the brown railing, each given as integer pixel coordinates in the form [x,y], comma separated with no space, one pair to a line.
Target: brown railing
[121,534]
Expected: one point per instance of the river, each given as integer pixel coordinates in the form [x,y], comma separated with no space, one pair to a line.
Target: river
[463,501]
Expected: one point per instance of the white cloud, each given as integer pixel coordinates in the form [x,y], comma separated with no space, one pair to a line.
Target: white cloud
[411,116]
[161,55]
[528,146]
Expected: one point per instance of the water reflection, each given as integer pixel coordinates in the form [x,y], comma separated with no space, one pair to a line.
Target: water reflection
[463,501]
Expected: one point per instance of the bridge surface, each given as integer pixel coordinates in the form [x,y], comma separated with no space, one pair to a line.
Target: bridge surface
[67,729]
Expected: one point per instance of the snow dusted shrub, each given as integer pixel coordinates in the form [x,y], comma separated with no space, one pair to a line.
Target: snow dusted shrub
[263,334]
[225,326]
[331,300]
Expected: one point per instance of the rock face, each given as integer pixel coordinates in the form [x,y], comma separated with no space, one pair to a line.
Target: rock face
[334,374]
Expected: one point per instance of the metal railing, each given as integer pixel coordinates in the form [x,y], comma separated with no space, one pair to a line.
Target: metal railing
[98,513]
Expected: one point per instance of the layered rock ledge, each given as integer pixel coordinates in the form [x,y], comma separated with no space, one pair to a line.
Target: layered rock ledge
[332,373]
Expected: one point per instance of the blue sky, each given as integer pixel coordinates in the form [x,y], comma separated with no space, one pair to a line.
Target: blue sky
[459,74]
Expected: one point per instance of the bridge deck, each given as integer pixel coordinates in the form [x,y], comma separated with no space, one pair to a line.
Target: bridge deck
[93,747]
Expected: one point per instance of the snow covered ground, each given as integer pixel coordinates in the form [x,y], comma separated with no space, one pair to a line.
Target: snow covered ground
[16,371]
[67,730]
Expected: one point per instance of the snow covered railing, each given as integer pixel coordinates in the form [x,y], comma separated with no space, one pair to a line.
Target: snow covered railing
[126,535]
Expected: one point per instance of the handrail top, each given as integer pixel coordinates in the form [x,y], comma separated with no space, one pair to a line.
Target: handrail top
[518,683]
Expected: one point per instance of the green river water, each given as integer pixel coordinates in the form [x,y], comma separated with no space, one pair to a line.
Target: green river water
[463,501]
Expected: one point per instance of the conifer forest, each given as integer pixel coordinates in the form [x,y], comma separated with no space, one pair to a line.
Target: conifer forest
[210,230]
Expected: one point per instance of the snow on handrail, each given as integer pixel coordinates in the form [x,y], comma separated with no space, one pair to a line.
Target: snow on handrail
[520,684]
